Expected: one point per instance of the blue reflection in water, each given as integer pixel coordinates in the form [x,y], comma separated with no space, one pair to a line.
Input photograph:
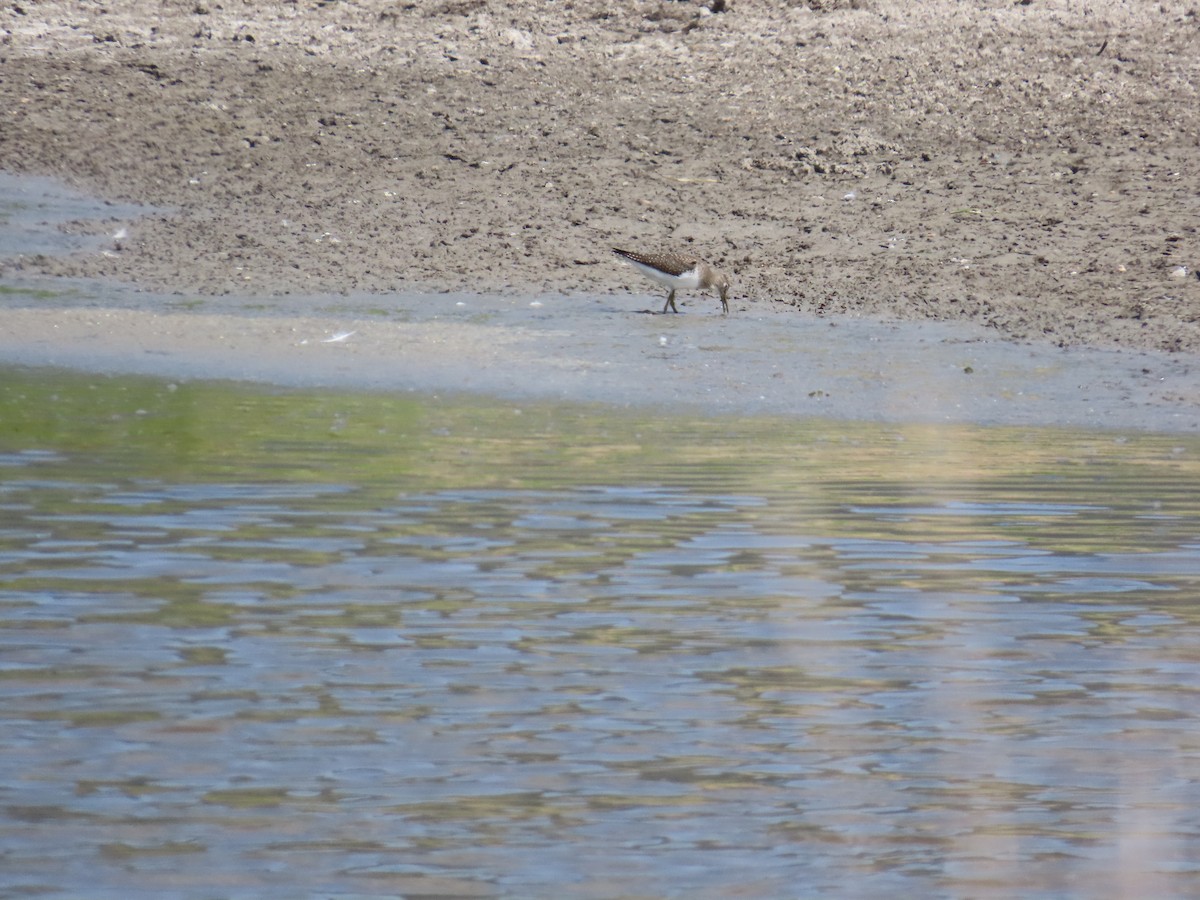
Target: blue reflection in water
[259,689]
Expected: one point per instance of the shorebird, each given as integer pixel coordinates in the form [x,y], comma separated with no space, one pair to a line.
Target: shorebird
[678,271]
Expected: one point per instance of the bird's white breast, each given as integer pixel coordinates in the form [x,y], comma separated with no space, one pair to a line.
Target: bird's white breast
[688,280]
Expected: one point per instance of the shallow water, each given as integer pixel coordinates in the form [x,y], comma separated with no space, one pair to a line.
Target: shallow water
[276,644]
[36,215]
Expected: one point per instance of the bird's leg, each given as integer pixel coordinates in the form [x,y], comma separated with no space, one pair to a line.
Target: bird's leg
[670,302]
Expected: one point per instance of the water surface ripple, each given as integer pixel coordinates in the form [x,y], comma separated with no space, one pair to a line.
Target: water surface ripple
[787,678]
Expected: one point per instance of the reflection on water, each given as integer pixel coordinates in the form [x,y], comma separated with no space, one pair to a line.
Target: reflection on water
[280,645]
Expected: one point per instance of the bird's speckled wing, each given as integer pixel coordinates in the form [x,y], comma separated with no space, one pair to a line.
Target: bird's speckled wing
[670,263]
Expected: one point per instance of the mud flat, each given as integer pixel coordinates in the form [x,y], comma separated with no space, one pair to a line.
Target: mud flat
[1031,167]
[931,212]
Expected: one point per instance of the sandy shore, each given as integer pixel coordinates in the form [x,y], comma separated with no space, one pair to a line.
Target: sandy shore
[1031,167]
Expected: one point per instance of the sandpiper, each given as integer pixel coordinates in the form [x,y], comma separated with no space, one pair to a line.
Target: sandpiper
[678,271]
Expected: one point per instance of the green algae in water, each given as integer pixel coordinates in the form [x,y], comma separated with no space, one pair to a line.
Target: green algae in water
[88,428]
[211,429]
[8,290]
[324,460]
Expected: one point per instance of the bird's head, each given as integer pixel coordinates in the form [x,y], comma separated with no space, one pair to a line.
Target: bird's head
[723,284]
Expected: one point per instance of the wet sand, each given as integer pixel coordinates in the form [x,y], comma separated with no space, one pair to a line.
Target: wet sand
[610,350]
